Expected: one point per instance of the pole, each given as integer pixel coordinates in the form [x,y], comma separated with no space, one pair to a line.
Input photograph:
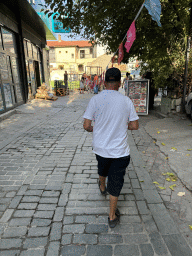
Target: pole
[126,33]
[186,70]
[187,59]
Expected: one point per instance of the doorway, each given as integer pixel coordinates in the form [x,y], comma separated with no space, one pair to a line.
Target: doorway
[37,73]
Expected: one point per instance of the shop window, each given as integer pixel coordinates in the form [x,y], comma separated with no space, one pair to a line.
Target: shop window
[91,50]
[1,101]
[9,41]
[80,67]
[29,80]
[7,95]
[1,44]
[11,80]
[30,52]
[25,48]
[41,74]
[61,67]
[82,54]
[3,64]
[34,52]
[16,78]
[38,53]
[72,56]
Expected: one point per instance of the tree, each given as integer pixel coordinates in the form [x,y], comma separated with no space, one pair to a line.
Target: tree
[161,49]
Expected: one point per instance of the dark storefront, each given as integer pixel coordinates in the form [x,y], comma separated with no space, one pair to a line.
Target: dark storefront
[22,39]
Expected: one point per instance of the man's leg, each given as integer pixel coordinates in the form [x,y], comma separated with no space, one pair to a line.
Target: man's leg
[115,182]
[113,205]
[102,182]
[103,167]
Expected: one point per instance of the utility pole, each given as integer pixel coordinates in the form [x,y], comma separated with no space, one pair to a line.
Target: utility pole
[186,70]
[187,58]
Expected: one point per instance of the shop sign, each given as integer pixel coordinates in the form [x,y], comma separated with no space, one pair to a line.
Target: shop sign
[57,26]
[138,92]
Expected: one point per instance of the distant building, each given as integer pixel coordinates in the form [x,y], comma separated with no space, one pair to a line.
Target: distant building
[75,57]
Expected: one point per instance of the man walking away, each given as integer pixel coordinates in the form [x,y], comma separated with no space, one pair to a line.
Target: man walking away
[66,80]
[112,114]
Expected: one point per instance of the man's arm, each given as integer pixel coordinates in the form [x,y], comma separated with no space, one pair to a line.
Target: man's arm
[133,125]
[87,125]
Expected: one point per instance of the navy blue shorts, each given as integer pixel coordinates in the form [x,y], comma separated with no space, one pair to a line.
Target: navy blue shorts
[114,169]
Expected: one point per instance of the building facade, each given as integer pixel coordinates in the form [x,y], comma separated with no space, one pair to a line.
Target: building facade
[22,42]
[75,57]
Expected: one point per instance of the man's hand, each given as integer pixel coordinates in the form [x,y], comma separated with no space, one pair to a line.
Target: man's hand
[87,125]
[133,125]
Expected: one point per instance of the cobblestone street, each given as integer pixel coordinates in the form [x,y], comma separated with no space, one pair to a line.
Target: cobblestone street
[50,203]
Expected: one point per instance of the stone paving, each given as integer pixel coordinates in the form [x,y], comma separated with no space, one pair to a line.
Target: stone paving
[50,203]
[157,163]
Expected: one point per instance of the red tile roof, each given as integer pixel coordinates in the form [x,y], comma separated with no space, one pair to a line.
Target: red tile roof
[68,43]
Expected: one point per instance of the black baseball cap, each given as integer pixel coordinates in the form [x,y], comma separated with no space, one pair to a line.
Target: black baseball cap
[112,75]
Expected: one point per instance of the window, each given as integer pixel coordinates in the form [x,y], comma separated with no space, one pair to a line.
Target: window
[29,46]
[82,54]
[80,67]
[34,52]
[25,48]
[72,56]
[61,67]
[9,41]
[91,50]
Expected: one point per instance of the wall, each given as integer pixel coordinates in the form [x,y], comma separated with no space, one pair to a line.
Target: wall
[87,52]
[59,58]
[46,66]
[62,57]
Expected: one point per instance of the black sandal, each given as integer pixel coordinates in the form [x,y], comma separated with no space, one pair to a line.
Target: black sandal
[113,223]
[104,193]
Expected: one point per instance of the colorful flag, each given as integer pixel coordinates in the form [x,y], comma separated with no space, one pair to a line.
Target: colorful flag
[121,53]
[131,36]
[154,9]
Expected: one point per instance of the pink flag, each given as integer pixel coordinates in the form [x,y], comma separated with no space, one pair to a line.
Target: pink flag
[121,53]
[131,36]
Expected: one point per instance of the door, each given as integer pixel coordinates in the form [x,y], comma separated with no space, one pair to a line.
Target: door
[37,74]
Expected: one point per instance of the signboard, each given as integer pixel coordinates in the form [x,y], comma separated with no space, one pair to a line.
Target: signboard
[138,92]
[7,94]
[57,26]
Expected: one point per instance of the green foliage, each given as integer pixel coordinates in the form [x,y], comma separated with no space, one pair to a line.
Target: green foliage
[162,49]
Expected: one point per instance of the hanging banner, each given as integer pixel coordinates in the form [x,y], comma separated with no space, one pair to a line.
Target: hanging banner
[131,36]
[154,9]
[121,53]
[112,60]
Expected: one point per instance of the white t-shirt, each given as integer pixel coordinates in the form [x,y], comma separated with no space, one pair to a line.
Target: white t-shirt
[110,111]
